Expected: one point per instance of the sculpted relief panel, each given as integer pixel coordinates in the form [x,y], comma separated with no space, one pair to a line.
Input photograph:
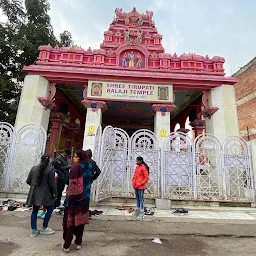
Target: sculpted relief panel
[132,59]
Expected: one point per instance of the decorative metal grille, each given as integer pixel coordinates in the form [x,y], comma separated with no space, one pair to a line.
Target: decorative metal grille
[178,179]
[209,179]
[29,147]
[237,168]
[7,137]
[120,164]
[144,143]
[118,155]
[104,183]
[96,152]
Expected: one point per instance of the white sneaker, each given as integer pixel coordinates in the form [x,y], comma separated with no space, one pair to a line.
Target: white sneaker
[136,213]
[140,216]
[78,247]
[66,250]
[35,233]
[47,231]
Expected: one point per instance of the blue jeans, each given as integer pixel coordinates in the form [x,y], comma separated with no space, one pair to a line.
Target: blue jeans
[47,217]
[140,199]
[60,189]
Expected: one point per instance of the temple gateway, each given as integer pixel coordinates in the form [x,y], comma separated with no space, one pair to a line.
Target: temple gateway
[126,99]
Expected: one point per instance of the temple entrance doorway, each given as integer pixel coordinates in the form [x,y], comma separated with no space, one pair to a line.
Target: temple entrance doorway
[129,116]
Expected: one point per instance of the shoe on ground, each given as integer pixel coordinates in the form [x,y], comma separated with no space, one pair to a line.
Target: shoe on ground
[140,216]
[47,231]
[35,233]
[66,250]
[136,213]
[78,247]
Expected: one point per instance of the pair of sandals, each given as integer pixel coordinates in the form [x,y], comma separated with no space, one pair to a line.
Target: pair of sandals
[180,212]
[149,211]
[95,212]
[126,208]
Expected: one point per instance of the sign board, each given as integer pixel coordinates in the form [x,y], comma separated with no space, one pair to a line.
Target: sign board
[118,91]
[91,130]
[163,133]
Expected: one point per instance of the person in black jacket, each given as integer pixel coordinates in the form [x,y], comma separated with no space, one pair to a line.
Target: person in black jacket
[43,189]
[95,169]
[62,167]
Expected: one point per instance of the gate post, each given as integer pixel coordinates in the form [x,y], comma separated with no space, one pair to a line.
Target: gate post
[30,110]
[252,147]
[224,122]
[92,122]
[162,121]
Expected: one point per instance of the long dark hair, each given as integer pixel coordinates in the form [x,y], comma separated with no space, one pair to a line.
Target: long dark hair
[83,156]
[45,159]
[139,158]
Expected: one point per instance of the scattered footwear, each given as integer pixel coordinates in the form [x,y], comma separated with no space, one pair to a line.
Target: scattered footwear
[130,209]
[12,205]
[149,211]
[180,212]
[35,233]
[125,208]
[95,212]
[47,231]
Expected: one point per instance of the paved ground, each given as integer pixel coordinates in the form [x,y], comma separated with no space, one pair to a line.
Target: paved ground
[126,237]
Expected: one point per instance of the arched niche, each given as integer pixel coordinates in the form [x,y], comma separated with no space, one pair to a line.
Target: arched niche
[138,52]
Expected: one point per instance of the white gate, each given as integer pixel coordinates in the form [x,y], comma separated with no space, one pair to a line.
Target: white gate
[104,182]
[209,178]
[118,162]
[178,179]
[7,137]
[96,157]
[120,166]
[238,170]
[29,147]
[145,144]
[97,147]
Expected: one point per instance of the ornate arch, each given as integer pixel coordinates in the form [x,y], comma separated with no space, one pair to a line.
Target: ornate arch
[124,47]
[139,48]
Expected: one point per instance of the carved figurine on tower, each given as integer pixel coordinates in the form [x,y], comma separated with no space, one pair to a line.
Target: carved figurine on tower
[140,21]
[139,36]
[127,36]
[124,60]
[127,20]
[131,59]
[139,61]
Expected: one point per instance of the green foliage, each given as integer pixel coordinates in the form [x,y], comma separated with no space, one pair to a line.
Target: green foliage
[27,27]
[66,39]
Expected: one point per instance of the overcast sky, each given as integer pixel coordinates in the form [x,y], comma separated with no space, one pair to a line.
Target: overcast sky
[215,27]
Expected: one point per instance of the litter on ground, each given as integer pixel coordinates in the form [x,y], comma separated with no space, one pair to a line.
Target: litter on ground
[157,240]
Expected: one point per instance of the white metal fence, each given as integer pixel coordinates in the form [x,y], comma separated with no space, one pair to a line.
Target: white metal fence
[180,170]
[18,153]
